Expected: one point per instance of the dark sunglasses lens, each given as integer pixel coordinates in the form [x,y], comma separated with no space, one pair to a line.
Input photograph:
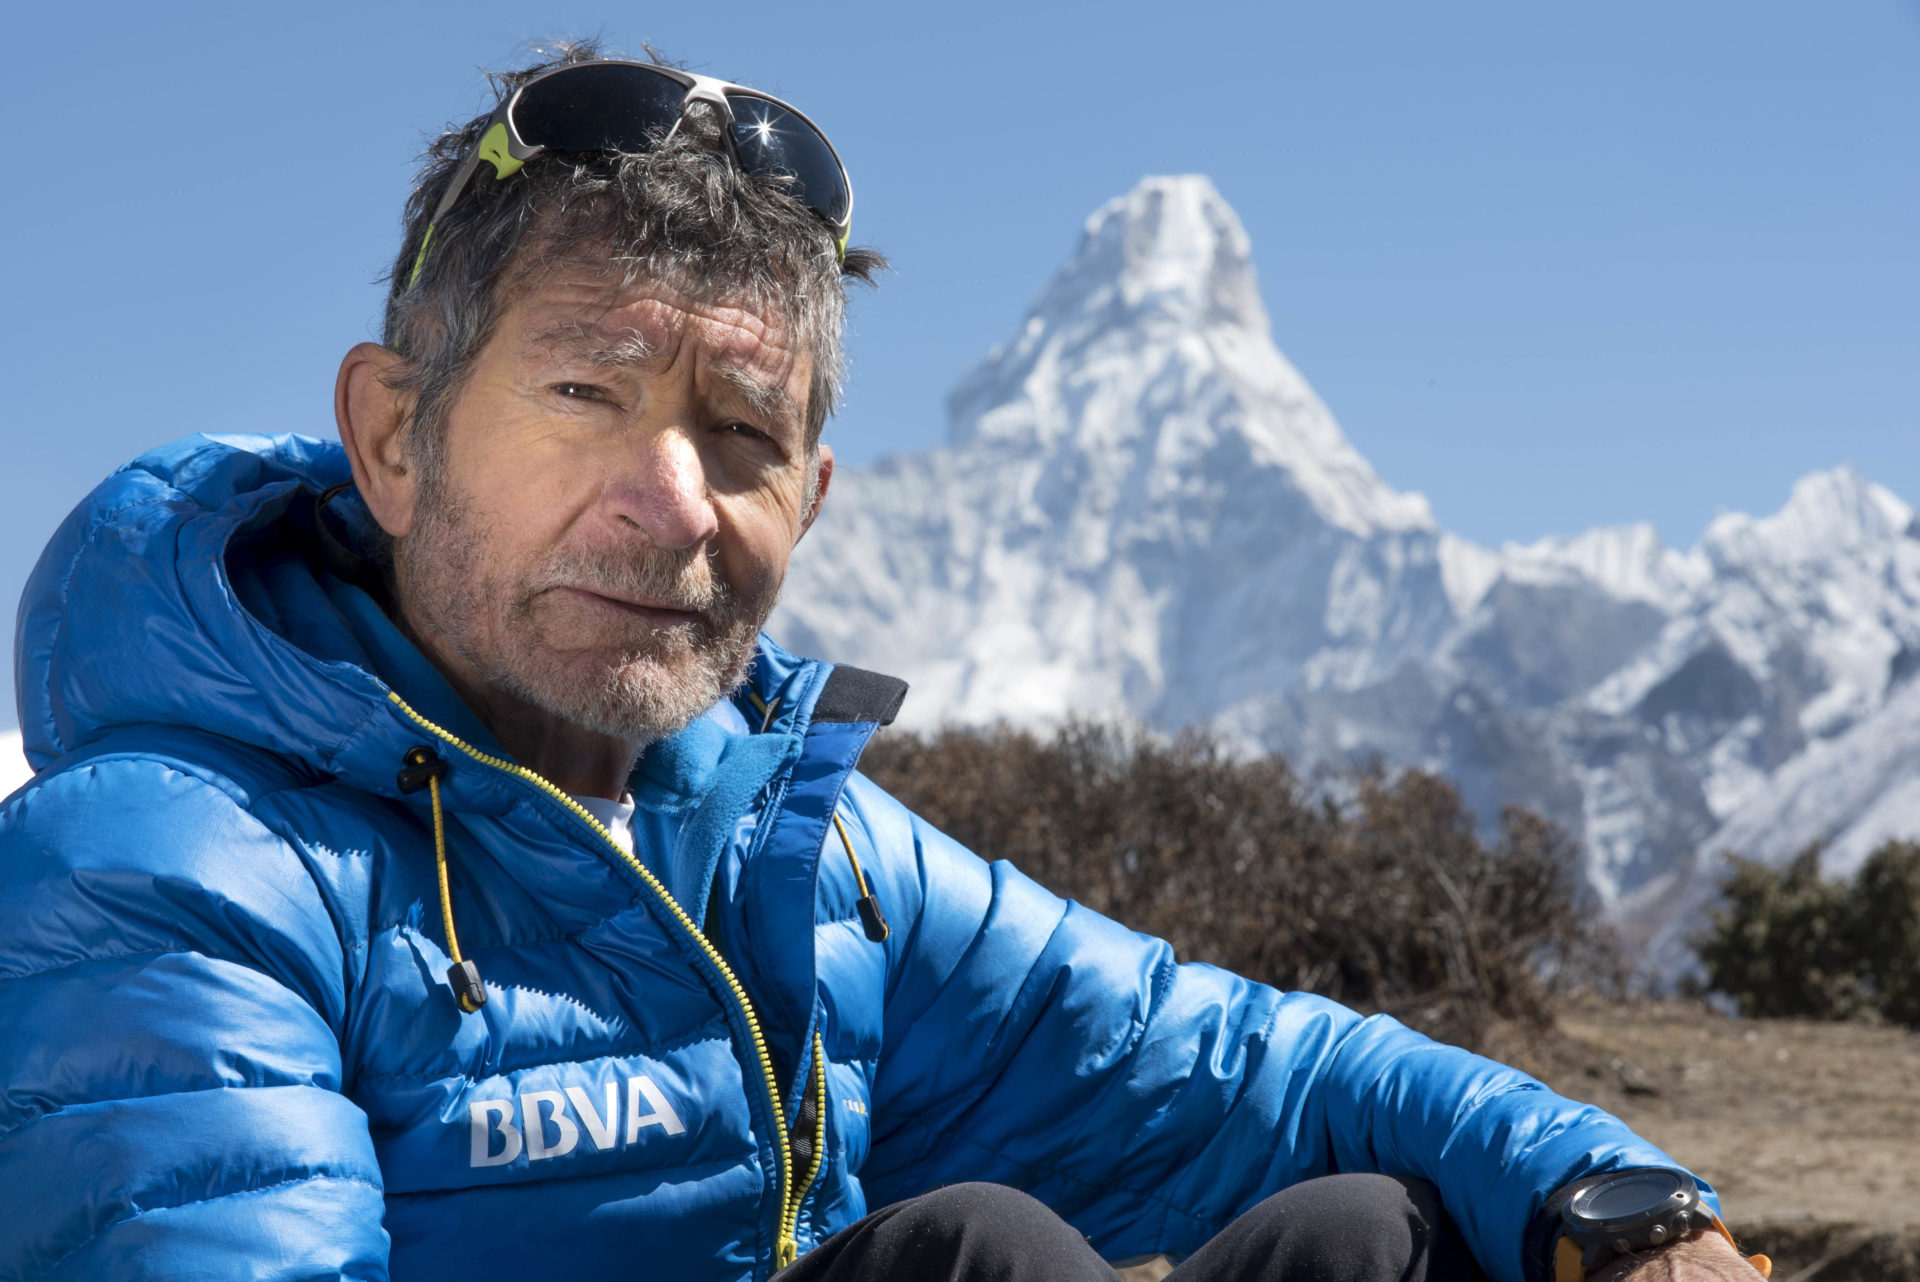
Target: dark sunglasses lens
[598,107]
[774,141]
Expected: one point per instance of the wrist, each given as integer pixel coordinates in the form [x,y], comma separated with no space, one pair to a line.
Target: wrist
[1712,1246]
[1606,1225]
[1620,1266]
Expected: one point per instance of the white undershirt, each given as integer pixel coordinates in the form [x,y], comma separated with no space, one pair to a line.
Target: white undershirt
[615,816]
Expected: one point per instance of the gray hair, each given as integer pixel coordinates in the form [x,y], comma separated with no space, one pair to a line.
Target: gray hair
[681,214]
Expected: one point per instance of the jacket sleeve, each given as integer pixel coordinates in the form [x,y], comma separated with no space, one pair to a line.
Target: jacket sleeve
[1031,1042]
[172,989]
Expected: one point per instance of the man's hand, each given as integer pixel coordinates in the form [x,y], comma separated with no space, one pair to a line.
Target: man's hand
[1704,1256]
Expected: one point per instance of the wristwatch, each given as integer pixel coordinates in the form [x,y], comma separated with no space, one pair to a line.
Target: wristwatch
[1616,1213]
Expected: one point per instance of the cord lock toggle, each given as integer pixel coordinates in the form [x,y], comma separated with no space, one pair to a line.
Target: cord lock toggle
[467,988]
[423,766]
[871,918]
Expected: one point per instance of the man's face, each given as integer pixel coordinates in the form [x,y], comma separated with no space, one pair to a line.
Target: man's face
[623,479]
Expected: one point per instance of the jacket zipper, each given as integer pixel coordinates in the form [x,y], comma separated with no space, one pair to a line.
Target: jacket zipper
[810,1145]
[785,1250]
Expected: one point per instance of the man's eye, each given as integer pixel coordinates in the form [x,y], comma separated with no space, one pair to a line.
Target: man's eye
[580,391]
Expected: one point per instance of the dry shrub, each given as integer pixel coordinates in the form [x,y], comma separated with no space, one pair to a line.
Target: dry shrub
[1781,942]
[1886,907]
[1384,898]
[1787,943]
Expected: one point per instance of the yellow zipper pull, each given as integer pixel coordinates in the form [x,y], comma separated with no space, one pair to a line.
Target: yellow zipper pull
[785,1253]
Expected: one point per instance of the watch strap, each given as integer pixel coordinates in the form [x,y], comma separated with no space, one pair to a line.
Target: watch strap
[1570,1266]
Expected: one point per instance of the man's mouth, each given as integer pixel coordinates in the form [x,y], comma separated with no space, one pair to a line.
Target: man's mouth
[659,613]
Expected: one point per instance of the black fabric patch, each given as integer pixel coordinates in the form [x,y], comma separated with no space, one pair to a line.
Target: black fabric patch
[854,694]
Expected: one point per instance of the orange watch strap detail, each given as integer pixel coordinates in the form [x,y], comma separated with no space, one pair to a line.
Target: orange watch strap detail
[1566,1261]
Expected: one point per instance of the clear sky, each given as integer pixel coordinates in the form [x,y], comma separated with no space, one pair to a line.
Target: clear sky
[1552,265]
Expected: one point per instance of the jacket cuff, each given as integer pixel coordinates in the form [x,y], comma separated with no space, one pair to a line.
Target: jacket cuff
[1543,1231]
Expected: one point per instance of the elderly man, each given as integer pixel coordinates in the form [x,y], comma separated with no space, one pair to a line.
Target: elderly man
[431,872]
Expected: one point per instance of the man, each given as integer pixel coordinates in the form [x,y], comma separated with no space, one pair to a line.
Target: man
[431,872]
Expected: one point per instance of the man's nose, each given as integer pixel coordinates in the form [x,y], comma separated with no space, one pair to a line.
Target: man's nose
[666,495]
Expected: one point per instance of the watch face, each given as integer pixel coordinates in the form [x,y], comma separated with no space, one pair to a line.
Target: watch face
[1633,1196]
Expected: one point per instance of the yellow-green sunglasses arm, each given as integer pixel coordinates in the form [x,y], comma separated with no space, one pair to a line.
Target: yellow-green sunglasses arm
[494,150]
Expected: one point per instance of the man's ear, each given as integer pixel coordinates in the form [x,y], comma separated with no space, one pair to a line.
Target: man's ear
[374,420]
[823,475]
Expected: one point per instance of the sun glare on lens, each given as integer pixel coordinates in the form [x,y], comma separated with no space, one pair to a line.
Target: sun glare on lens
[761,122]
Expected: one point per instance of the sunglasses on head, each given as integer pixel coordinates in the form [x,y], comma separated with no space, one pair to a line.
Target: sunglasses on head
[628,106]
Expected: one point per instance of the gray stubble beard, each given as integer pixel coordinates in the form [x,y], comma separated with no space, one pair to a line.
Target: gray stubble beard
[656,688]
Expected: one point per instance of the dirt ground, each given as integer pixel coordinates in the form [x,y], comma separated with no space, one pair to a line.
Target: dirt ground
[1810,1131]
[1791,1120]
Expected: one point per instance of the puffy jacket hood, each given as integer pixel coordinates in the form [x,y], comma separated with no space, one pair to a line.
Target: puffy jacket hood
[132,615]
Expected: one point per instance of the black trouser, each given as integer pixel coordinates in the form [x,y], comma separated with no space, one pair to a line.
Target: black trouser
[1341,1228]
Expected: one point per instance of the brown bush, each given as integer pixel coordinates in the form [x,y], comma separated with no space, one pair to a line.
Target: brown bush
[1384,898]
[1788,943]
[1782,942]
[1886,906]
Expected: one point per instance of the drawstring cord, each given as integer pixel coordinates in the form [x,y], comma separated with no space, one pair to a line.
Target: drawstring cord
[446,894]
[871,918]
[767,710]
[425,768]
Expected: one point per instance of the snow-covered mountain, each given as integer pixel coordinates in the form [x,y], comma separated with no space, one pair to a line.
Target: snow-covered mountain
[1144,507]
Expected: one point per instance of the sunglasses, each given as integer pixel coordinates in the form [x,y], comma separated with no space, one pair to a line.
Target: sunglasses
[624,106]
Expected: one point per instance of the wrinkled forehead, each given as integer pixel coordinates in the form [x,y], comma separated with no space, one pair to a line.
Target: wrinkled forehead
[590,312]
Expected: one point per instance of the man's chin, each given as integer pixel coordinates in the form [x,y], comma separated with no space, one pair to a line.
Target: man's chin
[641,698]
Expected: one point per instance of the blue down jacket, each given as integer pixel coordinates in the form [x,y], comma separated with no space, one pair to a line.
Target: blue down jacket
[228,1047]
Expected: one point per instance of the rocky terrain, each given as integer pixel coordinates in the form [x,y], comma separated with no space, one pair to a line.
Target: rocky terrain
[1793,1121]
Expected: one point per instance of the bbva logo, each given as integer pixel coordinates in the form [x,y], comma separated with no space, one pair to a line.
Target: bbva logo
[546,1130]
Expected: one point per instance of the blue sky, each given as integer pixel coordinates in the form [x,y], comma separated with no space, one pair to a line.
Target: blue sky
[1552,265]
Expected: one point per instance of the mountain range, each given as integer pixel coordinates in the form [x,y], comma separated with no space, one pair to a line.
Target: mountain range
[1143,509]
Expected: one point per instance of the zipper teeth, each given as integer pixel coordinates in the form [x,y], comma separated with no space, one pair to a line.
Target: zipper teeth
[789,1214]
[791,1225]
[820,1137]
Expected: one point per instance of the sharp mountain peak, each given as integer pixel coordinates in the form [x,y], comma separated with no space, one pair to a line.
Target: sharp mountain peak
[1170,251]
[1150,351]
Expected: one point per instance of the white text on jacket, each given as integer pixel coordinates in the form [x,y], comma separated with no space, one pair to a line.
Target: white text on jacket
[547,1130]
